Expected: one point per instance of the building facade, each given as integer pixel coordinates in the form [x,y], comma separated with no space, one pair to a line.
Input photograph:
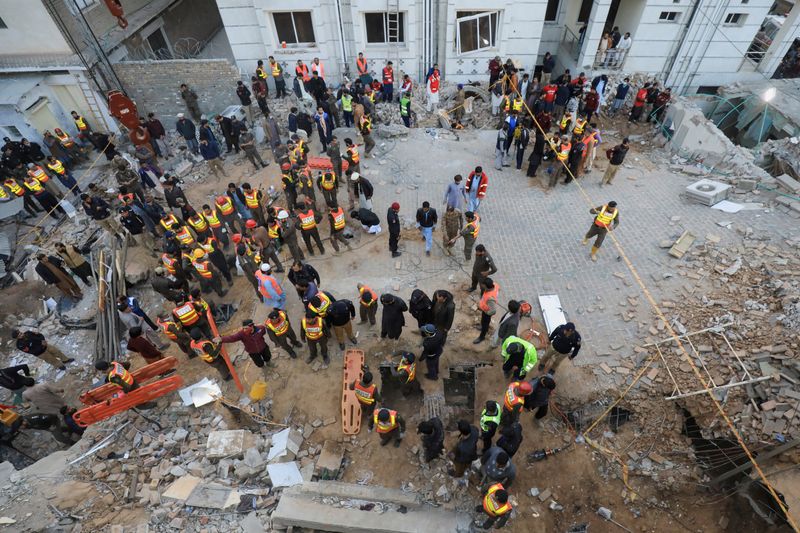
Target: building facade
[690,44]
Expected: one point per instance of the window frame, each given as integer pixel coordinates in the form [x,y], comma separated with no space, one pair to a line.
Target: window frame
[298,44]
[666,20]
[492,31]
[401,29]
[558,9]
[741,18]
[3,25]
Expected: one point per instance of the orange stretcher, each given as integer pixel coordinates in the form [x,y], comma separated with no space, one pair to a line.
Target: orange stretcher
[351,407]
[324,163]
[534,332]
[106,401]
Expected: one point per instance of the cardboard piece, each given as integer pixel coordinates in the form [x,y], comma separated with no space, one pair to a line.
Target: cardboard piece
[201,393]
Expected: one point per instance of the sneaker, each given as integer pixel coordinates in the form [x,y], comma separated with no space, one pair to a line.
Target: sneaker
[70,360]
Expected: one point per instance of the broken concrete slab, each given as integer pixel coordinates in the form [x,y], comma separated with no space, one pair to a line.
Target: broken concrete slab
[284,474]
[789,183]
[211,496]
[285,446]
[182,488]
[330,459]
[227,443]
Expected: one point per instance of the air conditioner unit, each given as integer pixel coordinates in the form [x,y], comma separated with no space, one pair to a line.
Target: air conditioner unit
[708,192]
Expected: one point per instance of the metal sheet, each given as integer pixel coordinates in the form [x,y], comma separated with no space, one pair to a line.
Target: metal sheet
[551,311]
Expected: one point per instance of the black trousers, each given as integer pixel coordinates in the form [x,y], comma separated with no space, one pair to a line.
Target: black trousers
[312,234]
[218,259]
[487,436]
[485,321]
[83,271]
[261,358]
[393,239]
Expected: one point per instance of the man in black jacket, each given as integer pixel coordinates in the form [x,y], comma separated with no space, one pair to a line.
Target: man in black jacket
[616,156]
[11,379]
[226,125]
[136,226]
[432,348]
[465,450]
[444,310]
[36,345]
[392,320]
[426,222]
[393,221]
[172,192]
[97,209]
[244,98]
[166,287]
[564,341]
[431,433]
[340,315]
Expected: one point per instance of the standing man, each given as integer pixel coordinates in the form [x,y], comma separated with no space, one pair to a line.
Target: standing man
[466,449]
[619,96]
[389,425]
[335,155]
[368,304]
[454,194]
[328,184]
[36,345]
[337,222]
[272,294]
[84,130]
[548,64]
[489,422]
[188,131]
[482,267]
[606,219]
[470,233]
[74,260]
[339,316]
[426,223]
[211,353]
[307,219]
[365,129]
[514,401]
[432,87]
[281,331]
[314,331]
[444,310]
[247,141]
[539,398]
[190,98]
[477,183]
[388,82]
[503,139]
[252,338]
[487,306]
[432,348]
[361,67]
[276,70]
[496,506]
[244,98]
[261,91]
[431,434]
[392,319]
[64,175]
[452,223]
[393,221]
[159,135]
[616,156]
[563,340]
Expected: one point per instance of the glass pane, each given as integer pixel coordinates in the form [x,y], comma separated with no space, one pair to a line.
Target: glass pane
[484,34]
[284,27]
[375,29]
[551,13]
[469,35]
[494,28]
[304,27]
[401,34]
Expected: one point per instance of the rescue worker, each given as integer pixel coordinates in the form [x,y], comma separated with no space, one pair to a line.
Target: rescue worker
[252,337]
[118,374]
[83,127]
[496,506]
[562,153]
[305,187]
[307,220]
[431,435]
[518,354]
[406,372]
[353,159]
[199,224]
[175,269]
[185,237]
[227,213]
[191,315]
[565,124]
[289,183]
[276,70]
[210,245]
[368,396]
[489,423]
[48,202]
[320,303]
[249,260]
[368,304]
[315,332]
[365,129]
[253,199]
[389,425]
[337,221]
[272,294]
[64,175]
[470,233]
[262,240]
[211,353]
[487,306]
[208,275]
[174,332]
[514,401]
[288,235]
[606,219]
[73,150]
[281,332]
[328,184]
[215,222]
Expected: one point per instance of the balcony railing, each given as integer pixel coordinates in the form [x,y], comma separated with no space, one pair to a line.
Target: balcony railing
[613,59]
[571,43]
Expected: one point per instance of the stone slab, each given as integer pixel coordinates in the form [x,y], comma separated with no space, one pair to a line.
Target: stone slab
[182,488]
[284,474]
[227,443]
[330,459]
[209,496]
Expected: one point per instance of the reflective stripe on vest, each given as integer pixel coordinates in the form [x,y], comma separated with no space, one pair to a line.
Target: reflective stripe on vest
[353,151]
[169,263]
[260,73]
[276,69]
[338,219]
[39,174]
[389,425]
[485,419]
[604,219]
[168,221]
[365,395]
[325,302]
[187,314]
[281,327]
[307,221]
[56,167]
[490,294]
[184,236]
[3,193]
[251,199]
[566,119]
[165,324]
[517,104]
[208,246]
[563,151]
[475,226]
[34,186]
[347,103]
[201,349]
[203,269]
[198,222]
[212,219]
[361,292]
[579,125]
[511,399]
[118,371]
[81,124]
[492,507]
[14,187]
[410,369]
[313,328]
[65,140]
[225,205]
[273,230]
[328,181]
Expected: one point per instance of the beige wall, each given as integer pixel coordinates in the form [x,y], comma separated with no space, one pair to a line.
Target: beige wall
[25,19]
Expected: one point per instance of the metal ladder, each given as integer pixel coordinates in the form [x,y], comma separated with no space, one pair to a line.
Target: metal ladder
[393,35]
[94,105]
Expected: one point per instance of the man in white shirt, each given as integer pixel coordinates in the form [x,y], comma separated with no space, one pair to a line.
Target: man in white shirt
[622,49]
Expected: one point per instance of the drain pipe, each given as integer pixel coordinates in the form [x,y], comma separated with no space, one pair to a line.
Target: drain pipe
[343,48]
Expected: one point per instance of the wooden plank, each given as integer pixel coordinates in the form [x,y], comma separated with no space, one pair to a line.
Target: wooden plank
[682,245]
[351,407]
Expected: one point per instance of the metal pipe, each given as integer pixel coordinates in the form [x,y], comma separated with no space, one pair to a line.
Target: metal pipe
[721,387]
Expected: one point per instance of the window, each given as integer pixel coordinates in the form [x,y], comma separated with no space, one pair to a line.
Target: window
[385,27]
[475,30]
[735,19]
[83,4]
[551,13]
[12,131]
[745,1]
[294,27]
[2,24]
[676,1]
[669,16]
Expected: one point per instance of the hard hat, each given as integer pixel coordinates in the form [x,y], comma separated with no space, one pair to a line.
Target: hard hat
[525,388]
[286,166]
[198,253]
[250,224]
[428,329]
[283,215]
[237,238]
[265,267]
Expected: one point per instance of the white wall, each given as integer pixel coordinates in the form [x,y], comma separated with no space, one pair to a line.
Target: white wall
[30,30]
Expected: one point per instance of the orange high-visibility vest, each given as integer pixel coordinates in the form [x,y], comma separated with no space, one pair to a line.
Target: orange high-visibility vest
[169,263]
[66,142]
[225,204]
[492,507]
[474,227]
[263,278]
[187,314]
[201,348]
[389,425]
[165,324]
[168,221]
[512,399]
[338,219]
[365,395]
[325,302]
[313,328]
[14,187]
[118,371]
[353,151]
[307,221]
[282,325]
[251,199]
[302,70]
[374,295]
[411,370]
[361,64]
[184,236]
[34,186]
[490,294]
[38,173]
[203,269]
[57,167]
[563,151]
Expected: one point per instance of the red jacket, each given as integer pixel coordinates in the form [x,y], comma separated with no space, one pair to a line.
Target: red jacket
[482,184]
[592,101]
[549,93]
[641,96]
[253,342]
